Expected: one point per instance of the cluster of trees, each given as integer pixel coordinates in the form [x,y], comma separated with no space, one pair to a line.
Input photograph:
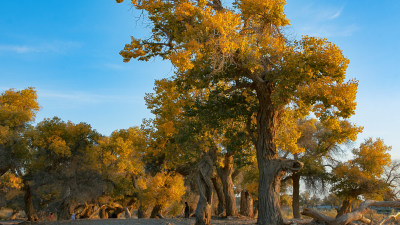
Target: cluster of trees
[69,168]
[255,112]
[246,90]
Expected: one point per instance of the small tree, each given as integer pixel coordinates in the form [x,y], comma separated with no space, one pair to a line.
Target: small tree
[17,110]
[121,157]
[66,162]
[362,175]
[160,191]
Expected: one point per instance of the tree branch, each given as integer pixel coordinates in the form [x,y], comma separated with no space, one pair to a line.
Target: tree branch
[216,4]
[290,165]
[389,218]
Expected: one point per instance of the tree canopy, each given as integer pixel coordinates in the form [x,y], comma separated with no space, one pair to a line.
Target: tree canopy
[244,46]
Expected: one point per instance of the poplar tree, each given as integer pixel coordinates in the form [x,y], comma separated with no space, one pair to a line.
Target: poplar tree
[244,45]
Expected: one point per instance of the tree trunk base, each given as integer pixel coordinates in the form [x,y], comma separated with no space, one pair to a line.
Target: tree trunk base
[246,204]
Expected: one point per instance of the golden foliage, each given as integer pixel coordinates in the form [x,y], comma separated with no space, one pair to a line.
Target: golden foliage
[362,175]
[162,189]
[18,107]
[372,156]
[10,181]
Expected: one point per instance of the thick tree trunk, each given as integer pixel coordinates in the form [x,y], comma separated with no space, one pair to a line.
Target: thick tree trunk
[28,199]
[296,195]
[269,194]
[142,212]
[225,174]
[246,204]
[157,212]
[270,167]
[203,210]
[220,195]
[64,210]
[345,208]
[269,212]
[255,204]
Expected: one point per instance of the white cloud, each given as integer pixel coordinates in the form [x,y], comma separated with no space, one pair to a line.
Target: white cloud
[51,47]
[77,97]
[328,30]
[337,14]
[322,20]
[20,49]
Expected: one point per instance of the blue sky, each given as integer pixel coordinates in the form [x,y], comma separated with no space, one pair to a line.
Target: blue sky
[68,51]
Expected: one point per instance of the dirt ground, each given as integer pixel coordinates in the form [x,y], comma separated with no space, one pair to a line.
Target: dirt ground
[229,221]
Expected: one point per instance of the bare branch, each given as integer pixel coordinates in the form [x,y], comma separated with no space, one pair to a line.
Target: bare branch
[216,4]
[356,215]
[389,218]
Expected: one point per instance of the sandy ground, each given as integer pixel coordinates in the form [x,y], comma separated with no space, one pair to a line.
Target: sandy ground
[233,221]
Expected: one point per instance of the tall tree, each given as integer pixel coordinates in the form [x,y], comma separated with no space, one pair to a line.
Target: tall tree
[244,46]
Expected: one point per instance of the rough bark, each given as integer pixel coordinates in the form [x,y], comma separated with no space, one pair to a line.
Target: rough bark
[345,208]
[220,195]
[64,210]
[203,210]
[246,204]
[225,173]
[157,212]
[356,215]
[142,212]
[270,167]
[296,195]
[255,204]
[28,199]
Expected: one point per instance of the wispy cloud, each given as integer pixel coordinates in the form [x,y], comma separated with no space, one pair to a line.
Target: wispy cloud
[115,66]
[325,30]
[51,47]
[323,20]
[336,14]
[78,97]
[20,49]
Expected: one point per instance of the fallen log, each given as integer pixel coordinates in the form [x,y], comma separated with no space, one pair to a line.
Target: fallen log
[348,218]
